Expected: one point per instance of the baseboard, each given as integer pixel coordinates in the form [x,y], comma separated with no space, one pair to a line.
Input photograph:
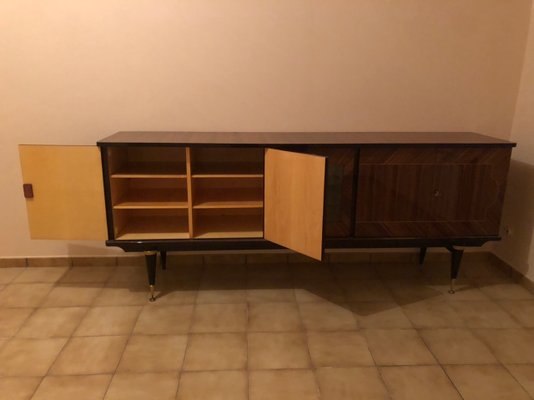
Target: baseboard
[269,257]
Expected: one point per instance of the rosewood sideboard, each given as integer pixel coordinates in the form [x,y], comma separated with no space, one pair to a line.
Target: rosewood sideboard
[163,191]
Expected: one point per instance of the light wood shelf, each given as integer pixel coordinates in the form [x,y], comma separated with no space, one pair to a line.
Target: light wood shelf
[153,199]
[228,198]
[154,227]
[229,226]
[148,170]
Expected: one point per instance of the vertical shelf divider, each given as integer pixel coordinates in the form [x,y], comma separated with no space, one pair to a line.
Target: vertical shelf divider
[189,177]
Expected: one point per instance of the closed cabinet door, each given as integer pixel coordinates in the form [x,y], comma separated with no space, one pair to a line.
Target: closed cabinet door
[430,192]
[294,201]
[64,192]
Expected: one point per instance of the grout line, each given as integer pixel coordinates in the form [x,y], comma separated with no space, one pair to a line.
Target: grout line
[123,350]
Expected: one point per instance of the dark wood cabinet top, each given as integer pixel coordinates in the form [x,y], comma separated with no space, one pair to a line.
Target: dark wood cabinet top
[302,138]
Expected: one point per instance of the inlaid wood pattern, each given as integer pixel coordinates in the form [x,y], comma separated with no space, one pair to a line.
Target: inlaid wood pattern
[339,189]
[430,192]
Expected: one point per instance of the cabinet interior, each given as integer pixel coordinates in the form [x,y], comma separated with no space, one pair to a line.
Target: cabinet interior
[182,193]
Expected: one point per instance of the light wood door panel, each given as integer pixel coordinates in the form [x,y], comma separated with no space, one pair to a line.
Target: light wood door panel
[294,201]
[68,202]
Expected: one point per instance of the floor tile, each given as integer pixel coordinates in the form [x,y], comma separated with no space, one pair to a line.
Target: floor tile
[432,313]
[131,261]
[398,270]
[278,351]
[100,321]
[88,275]
[269,290]
[524,374]
[278,269]
[19,388]
[52,322]
[398,347]
[127,295]
[350,258]
[521,310]
[129,274]
[271,259]
[283,385]
[176,293]
[351,383]
[24,294]
[11,319]
[41,275]
[506,291]
[220,318]
[311,271]
[464,290]
[483,314]
[29,357]
[154,353]
[317,291]
[407,291]
[162,320]
[488,382]
[418,383]
[216,351]
[224,266]
[274,317]
[72,295]
[327,317]
[161,386]
[88,387]
[457,346]
[343,271]
[90,355]
[385,315]
[509,345]
[213,385]
[7,275]
[339,349]
[225,291]
[365,290]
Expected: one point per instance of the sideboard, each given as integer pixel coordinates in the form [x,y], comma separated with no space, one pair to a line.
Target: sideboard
[163,191]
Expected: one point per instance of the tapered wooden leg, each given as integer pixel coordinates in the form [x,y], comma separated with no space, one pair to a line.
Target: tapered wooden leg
[456,259]
[163,255]
[422,255]
[151,258]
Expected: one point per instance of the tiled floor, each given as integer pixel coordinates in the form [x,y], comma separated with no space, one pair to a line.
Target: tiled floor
[265,332]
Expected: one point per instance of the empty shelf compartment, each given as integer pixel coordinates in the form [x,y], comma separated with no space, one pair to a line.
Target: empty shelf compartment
[212,162]
[229,198]
[153,224]
[146,162]
[217,224]
[155,198]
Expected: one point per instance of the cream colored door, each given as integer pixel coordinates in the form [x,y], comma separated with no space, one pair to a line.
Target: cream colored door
[294,201]
[68,192]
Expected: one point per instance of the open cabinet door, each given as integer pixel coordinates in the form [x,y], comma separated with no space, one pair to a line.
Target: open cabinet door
[294,201]
[66,196]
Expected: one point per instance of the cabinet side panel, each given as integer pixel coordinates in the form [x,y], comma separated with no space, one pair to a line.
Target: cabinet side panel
[294,201]
[68,202]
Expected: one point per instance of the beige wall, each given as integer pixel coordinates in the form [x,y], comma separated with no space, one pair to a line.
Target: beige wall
[73,72]
[518,248]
